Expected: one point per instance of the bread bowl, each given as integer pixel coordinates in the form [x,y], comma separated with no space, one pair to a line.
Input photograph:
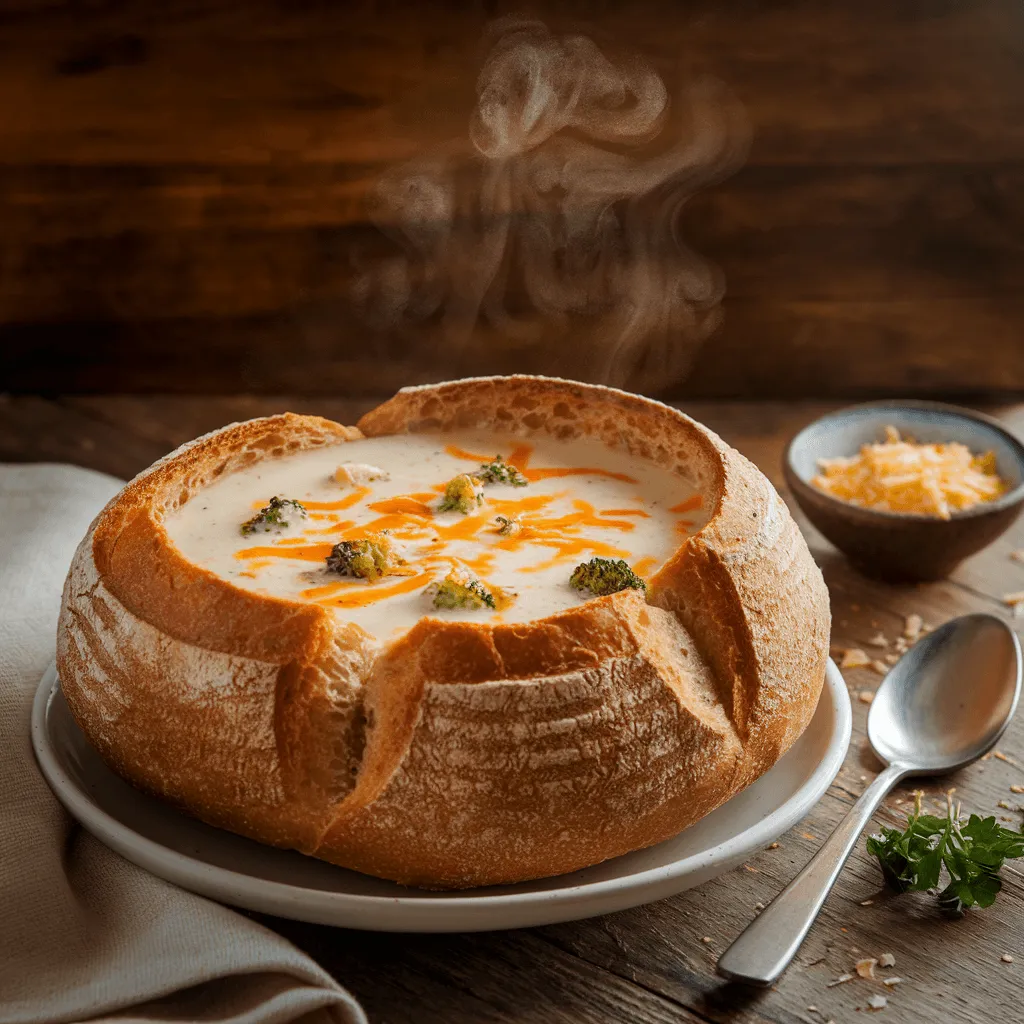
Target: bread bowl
[438,748]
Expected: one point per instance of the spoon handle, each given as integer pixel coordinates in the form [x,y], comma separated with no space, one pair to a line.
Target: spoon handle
[763,950]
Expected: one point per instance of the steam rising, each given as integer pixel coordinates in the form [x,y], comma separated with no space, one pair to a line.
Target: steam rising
[560,209]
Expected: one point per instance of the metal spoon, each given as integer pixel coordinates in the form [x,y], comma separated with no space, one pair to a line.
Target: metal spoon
[942,706]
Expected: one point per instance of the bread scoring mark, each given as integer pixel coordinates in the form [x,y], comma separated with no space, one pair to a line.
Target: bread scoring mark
[110,649]
[620,747]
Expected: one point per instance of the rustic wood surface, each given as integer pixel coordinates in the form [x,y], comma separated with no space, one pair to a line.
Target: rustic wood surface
[652,964]
[183,186]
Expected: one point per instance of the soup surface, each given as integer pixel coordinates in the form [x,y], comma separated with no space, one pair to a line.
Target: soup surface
[581,500]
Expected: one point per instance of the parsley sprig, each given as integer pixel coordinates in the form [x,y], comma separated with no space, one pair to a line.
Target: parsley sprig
[971,852]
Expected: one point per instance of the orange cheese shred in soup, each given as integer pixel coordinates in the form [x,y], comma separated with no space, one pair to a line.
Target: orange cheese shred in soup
[898,475]
[573,501]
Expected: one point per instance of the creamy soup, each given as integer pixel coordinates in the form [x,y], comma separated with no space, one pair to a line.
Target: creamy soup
[581,500]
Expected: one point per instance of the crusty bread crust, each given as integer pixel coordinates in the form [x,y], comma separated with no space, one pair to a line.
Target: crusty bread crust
[462,754]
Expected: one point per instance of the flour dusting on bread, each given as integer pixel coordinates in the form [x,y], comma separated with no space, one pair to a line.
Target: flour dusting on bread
[460,752]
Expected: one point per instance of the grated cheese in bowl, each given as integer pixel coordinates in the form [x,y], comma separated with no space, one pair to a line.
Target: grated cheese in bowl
[899,475]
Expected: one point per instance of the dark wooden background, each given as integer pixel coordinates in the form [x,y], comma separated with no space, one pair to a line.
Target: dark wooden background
[182,185]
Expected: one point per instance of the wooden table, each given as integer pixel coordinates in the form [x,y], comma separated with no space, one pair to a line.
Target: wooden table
[652,964]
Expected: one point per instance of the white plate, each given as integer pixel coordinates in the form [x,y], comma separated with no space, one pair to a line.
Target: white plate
[234,870]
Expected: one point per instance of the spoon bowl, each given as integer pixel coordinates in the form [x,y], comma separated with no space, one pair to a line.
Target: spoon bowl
[949,699]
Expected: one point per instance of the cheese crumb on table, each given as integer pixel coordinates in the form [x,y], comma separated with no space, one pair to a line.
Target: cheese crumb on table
[899,475]
[854,657]
[866,968]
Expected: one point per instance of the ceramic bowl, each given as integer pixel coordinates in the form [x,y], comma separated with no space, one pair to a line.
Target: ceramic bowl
[894,545]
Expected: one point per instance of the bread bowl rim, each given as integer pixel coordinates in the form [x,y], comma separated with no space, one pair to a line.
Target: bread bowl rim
[169,469]
[735,569]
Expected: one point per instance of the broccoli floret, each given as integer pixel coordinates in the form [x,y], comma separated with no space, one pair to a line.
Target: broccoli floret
[509,526]
[462,494]
[275,516]
[459,591]
[453,592]
[603,576]
[501,472]
[369,559]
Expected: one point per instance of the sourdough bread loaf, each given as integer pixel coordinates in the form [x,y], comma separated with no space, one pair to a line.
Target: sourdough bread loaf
[461,753]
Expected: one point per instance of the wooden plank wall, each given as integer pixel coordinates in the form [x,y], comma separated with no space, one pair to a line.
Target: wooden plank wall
[184,192]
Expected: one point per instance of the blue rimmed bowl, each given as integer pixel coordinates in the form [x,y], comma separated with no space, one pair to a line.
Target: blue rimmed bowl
[900,546]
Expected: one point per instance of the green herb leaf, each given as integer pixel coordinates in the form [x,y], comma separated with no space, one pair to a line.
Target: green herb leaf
[970,854]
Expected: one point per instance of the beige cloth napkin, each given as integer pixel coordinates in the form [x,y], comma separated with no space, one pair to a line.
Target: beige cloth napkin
[83,933]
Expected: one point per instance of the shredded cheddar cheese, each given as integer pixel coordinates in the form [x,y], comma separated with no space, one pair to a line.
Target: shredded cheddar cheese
[899,475]
[374,540]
